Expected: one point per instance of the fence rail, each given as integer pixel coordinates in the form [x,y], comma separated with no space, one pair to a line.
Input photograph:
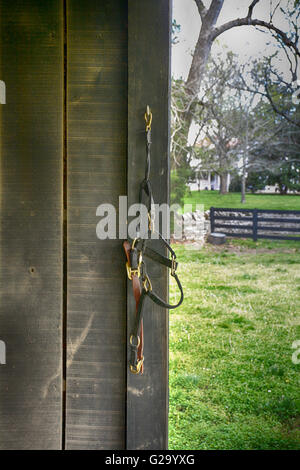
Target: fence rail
[256,223]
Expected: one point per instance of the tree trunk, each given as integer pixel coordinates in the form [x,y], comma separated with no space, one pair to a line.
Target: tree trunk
[224,183]
[200,57]
[243,195]
[283,188]
[203,47]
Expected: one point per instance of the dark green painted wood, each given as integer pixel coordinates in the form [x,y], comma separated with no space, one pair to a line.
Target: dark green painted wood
[148,83]
[96,149]
[31,248]
[31,64]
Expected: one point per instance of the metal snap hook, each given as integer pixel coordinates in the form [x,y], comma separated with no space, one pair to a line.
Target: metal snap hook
[148,118]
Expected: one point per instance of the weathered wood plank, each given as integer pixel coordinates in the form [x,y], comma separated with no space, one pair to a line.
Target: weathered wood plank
[96,147]
[148,84]
[31,64]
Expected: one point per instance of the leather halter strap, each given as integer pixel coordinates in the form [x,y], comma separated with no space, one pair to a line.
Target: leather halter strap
[169,263]
[136,267]
[136,270]
[137,358]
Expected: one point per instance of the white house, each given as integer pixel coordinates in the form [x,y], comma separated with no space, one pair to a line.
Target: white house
[206,180]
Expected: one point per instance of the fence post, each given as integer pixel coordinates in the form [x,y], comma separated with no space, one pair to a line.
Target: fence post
[212,219]
[255,225]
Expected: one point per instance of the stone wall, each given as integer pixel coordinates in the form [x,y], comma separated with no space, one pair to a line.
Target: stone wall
[194,226]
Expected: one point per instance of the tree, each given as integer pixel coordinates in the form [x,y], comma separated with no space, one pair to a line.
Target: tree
[208,114]
[257,128]
[278,87]
[209,32]
[275,88]
[233,125]
[283,156]
[257,180]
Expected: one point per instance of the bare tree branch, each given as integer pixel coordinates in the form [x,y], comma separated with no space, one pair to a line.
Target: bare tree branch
[248,21]
[201,8]
[186,109]
[251,7]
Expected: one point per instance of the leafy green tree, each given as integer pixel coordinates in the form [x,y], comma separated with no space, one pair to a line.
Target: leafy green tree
[257,180]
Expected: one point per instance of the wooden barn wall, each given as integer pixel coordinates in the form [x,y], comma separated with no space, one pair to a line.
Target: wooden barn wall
[78,75]
[31,53]
[96,168]
[149,83]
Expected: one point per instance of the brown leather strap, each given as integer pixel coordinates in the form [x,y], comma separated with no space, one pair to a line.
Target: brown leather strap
[136,286]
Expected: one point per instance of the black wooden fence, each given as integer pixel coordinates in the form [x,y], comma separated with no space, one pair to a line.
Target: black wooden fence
[256,223]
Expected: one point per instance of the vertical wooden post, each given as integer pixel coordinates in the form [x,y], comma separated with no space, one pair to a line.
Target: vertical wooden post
[149,84]
[212,219]
[96,173]
[255,225]
[31,141]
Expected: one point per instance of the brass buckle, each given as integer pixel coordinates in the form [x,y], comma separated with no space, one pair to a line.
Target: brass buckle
[173,265]
[132,272]
[147,283]
[137,272]
[134,345]
[137,369]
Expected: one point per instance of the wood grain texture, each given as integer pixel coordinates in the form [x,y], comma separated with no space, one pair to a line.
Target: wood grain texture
[96,150]
[148,84]
[31,64]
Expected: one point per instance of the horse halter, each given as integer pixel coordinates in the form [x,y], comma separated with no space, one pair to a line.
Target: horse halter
[136,265]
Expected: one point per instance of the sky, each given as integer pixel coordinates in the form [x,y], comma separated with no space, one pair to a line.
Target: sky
[246,41]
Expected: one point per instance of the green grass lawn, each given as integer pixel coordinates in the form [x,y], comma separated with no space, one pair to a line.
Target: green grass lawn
[233,384]
[253,201]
